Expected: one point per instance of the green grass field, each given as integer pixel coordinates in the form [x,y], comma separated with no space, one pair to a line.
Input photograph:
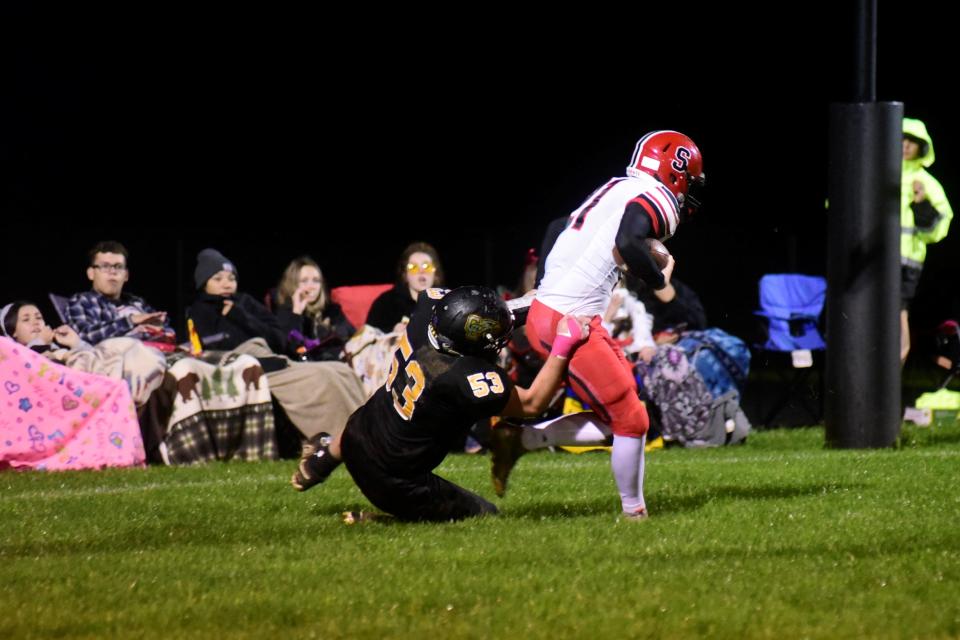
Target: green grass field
[779,538]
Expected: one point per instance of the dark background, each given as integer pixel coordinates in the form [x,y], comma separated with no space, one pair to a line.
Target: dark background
[346,134]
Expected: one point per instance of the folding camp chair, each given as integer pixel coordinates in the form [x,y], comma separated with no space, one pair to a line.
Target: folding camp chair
[791,305]
[356,300]
[60,304]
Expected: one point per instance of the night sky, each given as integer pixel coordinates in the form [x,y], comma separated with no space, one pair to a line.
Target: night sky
[348,134]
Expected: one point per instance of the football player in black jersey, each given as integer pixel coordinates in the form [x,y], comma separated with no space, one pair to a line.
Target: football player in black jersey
[442,380]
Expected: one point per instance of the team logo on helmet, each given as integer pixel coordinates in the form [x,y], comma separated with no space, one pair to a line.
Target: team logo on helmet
[476,327]
[681,159]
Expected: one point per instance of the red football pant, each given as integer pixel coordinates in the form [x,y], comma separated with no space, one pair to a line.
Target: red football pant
[598,372]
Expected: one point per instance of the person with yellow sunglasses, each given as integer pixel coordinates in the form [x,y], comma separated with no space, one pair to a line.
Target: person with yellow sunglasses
[418,269]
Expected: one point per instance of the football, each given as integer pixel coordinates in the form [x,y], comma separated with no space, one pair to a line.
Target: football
[658,251]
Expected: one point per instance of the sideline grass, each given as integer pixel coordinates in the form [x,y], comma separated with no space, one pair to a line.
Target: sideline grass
[778,538]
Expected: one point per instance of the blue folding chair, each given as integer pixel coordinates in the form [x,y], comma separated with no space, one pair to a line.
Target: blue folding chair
[791,305]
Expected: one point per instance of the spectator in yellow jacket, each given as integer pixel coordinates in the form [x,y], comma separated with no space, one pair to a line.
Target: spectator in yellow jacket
[924,217]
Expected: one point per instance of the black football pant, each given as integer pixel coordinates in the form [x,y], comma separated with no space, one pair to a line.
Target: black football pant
[422,497]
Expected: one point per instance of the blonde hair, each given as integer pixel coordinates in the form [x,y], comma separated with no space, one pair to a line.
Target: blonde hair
[291,280]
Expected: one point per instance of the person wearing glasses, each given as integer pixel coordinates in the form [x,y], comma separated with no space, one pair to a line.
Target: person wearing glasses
[106,311]
[418,269]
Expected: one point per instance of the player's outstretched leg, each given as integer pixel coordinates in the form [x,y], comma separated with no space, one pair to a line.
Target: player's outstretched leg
[509,442]
[506,447]
[316,463]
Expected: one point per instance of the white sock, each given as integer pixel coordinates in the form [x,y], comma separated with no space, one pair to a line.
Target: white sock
[574,429]
[640,471]
[627,465]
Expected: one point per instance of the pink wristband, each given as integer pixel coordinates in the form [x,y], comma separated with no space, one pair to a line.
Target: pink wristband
[569,335]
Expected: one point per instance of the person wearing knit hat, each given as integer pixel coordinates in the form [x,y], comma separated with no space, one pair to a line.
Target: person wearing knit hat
[315,396]
[220,309]
[209,263]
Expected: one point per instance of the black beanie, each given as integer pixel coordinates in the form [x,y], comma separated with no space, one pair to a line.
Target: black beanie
[210,262]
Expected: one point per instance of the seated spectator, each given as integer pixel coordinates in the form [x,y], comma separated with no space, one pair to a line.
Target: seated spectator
[318,397]
[418,269]
[316,327]
[106,312]
[220,310]
[140,366]
[627,321]
[23,322]
[675,308]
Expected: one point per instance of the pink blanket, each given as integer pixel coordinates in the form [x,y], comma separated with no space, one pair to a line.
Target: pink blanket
[56,418]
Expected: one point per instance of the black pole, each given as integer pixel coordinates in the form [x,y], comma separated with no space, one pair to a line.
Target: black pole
[863,272]
[862,399]
[866,51]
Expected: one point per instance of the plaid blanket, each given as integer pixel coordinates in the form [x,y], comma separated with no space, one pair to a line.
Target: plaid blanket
[221,411]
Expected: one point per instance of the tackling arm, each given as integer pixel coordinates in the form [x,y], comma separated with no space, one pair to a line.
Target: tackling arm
[533,401]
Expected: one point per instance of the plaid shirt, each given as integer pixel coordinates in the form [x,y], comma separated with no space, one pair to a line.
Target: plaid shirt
[96,317]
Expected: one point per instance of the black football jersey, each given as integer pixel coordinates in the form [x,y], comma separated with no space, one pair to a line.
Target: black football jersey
[430,399]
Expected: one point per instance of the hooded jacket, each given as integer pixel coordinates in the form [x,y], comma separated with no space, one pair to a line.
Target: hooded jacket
[927,221]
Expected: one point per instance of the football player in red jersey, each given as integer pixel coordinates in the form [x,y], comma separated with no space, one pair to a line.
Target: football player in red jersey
[604,236]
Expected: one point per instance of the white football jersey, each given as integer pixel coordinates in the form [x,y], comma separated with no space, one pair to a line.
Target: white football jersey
[580,272]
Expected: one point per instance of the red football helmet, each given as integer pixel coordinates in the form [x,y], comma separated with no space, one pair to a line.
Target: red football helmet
[674,160]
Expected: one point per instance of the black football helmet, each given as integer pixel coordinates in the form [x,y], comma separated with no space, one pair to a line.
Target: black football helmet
[471,321]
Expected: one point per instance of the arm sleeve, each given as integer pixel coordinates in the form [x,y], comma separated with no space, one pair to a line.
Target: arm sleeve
[147,308]
[940,223]
[924,215]
[486,390]
[86,318]
[206,316]
[635,227]
[254,317]
[288,320]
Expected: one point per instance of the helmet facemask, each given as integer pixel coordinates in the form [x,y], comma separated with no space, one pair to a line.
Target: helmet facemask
[693,199]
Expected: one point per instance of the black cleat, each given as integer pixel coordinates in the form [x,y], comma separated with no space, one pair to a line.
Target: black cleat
[316,463]
[506,447]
